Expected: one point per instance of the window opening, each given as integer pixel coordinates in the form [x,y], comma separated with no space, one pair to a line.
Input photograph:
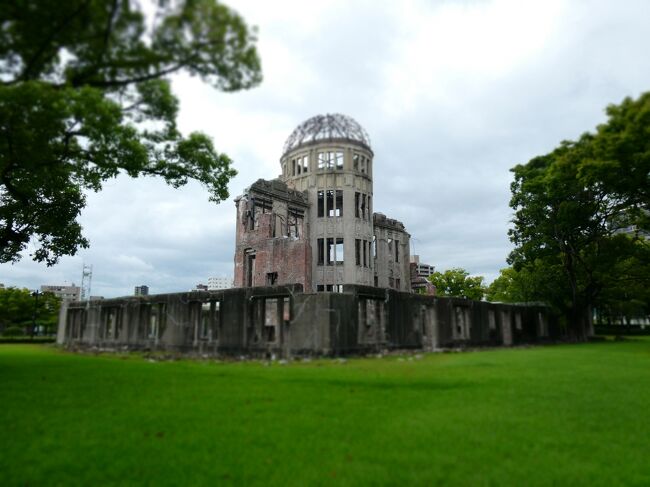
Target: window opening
[369,244]
[286,310]
[321,251]
[271,278]
[294,223]
[330,251]
[270,319]
[321,203]
[374,246]
[331,210]
[339,251]
[339,203]
[250,269]
[330,160]
[261,207]
[357,251]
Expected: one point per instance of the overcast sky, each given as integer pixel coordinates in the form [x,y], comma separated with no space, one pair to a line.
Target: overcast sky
[452,93]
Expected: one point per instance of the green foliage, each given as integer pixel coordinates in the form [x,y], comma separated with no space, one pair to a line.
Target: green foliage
[85,95]
[13,331]
[580,213]
[509,287]
[20,308]
[538,416]
[458,283]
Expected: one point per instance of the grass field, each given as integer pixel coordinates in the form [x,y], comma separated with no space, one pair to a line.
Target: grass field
[562,415]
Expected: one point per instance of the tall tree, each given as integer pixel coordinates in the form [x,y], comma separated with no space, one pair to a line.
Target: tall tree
[85,95]
[21,309]
[574,212]
[458,283]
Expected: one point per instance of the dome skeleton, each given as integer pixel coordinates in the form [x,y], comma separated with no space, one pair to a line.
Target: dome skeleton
[323,127]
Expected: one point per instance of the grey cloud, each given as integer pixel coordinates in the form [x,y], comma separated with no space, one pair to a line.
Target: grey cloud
[441,165]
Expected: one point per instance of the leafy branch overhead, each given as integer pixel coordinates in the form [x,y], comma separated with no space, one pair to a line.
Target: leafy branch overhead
[85,95]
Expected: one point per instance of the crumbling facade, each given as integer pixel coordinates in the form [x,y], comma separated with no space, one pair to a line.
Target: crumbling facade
[316,272]
[285,321]
[314,225]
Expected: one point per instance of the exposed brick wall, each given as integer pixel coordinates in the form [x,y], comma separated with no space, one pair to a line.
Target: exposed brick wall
[289,257]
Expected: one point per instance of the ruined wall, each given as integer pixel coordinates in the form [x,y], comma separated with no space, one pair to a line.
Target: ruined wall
[272,231]
[283,320]
[392,254]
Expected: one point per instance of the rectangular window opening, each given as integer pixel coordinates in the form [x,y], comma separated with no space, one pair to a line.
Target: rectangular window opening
[321,251]
[330,251]
[271,278]
[322,160]
[339,251]
[365,258]
[338,157]
[270,319]
[331,210]
[321,203]
[339,203]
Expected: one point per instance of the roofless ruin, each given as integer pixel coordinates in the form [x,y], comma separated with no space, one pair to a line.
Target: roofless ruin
[316,272]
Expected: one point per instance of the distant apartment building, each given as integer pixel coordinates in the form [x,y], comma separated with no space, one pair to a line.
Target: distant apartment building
[420,276]
[422,270]
[68,293]
[141,290]
[215,283]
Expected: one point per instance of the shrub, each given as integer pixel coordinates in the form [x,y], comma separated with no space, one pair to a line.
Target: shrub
[13,331]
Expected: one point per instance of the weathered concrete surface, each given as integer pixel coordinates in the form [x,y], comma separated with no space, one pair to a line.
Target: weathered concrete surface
[283,320]
[326,185]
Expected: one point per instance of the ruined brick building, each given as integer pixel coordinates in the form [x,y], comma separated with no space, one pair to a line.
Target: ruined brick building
[315,224]
[316,272]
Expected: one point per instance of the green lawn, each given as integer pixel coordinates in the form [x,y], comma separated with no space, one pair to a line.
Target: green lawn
[562,415]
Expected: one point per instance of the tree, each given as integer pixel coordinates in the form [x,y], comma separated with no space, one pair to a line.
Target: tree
[85,95]
[20,308]
[573,214]
[458,283]
[509,287]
